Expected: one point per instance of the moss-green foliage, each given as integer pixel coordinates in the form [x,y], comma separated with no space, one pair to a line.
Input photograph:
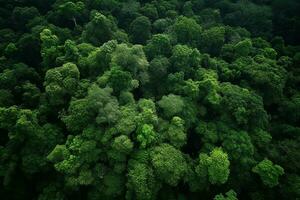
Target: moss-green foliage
[149,99]
[268,172]
[214,167]
[230,195]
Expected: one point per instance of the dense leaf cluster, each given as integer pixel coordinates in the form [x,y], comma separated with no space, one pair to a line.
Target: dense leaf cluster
[149,99]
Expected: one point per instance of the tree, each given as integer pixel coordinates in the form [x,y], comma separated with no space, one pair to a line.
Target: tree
[208,131]
[127,122]
[68,159]
[71,10]
[22,15]
[97,60]
[230,195]
[149,99]
[159,45]
[146,135]
[147,113]
[142,182]
[79,115]
[121,147]
[290,109]
[214,167]
[99,30]
[208,87]
[255,18]
[119,80]
[187,30]
[11,50]
[97,107]
[8,79]
[171,105]
[268,172]
[185,59]
[176,132]
[243,48]
[239,147]
[6,98]
[60,83]
[140,30]
[168,163]
[262,74]
[292,188]
[150,11]
[27,142]
[133,60]
[49,47]
[158,71]
[30,95]
[71,51]
[243,106]
[161,25]
[212,40]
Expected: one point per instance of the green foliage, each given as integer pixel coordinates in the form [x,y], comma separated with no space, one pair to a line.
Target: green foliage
[142,182]
[97,60]
[97,107]
[71,10]
[122,144]
[255,18]
[145,100]
[61,83]
[176,132]
[6,98]
[140,30]
[263,75]
[243,106]
[230,195]
[159,45]
[171,105]
[146,135]
[187,30]
[239,146]
[243,48]
[119,80]
[49,47]
[214,167]
[99,30]
[209,86]
[168,163]
[133,60]
[268,172]
[211,40]
[185,59]
[22,15]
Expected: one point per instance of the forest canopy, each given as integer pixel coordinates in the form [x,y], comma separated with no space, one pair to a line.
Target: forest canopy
[149,99]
